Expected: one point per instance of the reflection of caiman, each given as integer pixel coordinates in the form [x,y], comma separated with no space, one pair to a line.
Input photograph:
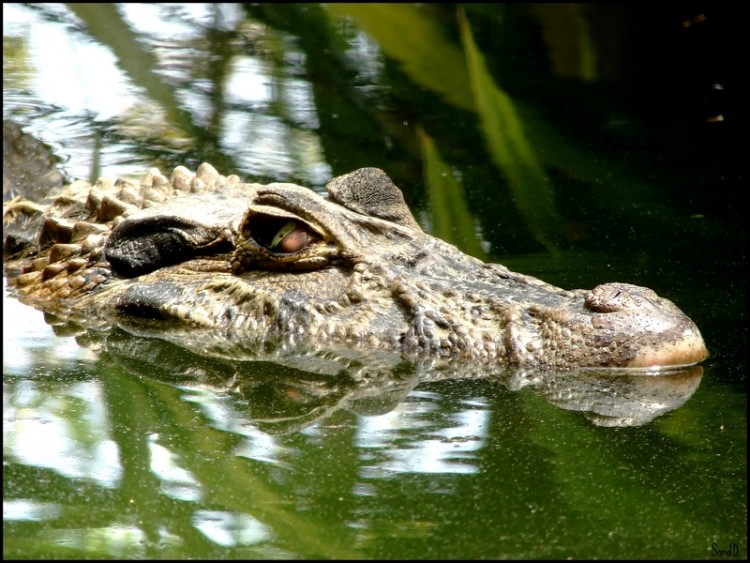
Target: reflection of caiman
[281,397]
[278,267]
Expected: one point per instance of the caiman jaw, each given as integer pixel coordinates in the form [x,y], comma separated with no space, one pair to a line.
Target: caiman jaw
[660,334]
[280,266]
[683,351]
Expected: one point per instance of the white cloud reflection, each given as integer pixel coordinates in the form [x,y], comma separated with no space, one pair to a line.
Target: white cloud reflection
[445,444]
[67,432]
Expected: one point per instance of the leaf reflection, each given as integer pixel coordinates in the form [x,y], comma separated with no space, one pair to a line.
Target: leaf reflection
[210,447]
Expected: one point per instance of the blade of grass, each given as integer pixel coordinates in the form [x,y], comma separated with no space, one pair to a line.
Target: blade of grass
[508,145]
[451,218]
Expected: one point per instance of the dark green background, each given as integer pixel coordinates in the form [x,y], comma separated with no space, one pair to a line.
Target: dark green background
[577,143]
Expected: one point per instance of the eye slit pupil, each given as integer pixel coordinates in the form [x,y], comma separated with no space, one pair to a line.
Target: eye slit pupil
[278,234]
[288,227]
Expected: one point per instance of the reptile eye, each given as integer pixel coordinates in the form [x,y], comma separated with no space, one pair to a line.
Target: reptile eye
[279,234]
[292,237]
[275,239]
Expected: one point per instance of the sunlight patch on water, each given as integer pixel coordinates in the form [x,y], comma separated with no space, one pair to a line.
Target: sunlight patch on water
[116,541]
[56,56]
[446,443]
[220,410]
[230,528]
[25,509]
[176,482]
[26,335]
[263,143]
[66,432]
[262,447]
[150,19]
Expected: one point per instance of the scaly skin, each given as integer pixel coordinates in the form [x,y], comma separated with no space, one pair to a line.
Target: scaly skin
[207,261]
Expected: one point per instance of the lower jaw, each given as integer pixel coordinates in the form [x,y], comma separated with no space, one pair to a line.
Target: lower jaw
[689,349]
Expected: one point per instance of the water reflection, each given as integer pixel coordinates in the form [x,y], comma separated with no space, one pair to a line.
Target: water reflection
[155,452]
[614,398]
[401,427]
[176,482]
[66,433]
[420,436]
[23,509]
[256,114]
[228,529]
[243,454]
[287,392]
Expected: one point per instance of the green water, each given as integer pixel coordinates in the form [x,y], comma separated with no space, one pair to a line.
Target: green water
[558,142]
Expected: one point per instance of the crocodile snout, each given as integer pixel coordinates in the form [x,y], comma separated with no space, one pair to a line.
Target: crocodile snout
[653,330]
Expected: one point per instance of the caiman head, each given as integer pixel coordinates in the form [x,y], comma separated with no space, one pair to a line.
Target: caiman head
[282,267]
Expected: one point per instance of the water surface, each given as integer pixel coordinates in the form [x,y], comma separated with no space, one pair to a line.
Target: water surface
[125,447]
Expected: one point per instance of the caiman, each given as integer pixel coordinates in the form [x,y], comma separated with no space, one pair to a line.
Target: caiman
[209,261]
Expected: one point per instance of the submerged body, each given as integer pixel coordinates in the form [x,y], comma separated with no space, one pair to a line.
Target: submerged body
[281,266]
